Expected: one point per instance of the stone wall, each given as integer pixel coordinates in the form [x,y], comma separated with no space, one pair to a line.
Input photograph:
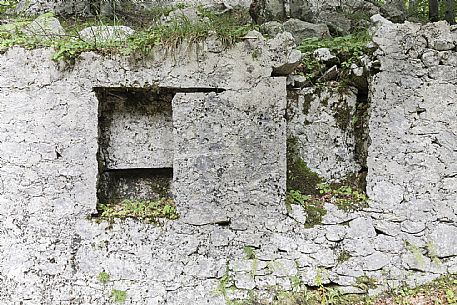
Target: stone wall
[229,172]
[324,123]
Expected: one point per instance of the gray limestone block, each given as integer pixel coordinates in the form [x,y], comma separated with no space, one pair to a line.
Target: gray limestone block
[271,28]
[388,244]
[358,247]
[325,56]
[204,268]
[336,216]
[324,258]
[338,23]
[430,58]
[105,34]
[444,238]
[412,227]
[375,261]
[283,267]
[314,113]
[302,29]
[313,276]
[361,227]
[302,9]
[264,282]
[293,60]
[244,281]
[448,58]
[298,213]
[45,27]
[335,233]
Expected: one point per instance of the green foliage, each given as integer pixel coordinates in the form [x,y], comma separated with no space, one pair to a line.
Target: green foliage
[103,277]
[226,284]
[432,254]
[306,188]
[228,28]
[149,211]
[416,251]
[345,197]
[343,256]
[347,49]
[313,206]
[365,283]
[440,291]
[119,296]
[249,252]
[299,176]
[6,5]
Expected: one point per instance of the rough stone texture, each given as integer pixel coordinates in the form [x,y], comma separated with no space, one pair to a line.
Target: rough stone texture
[302,29]
[413,114]
[55,140]
[321,121]
[104,34]
[45,27]
[105,7]
[136,129]
[229,145]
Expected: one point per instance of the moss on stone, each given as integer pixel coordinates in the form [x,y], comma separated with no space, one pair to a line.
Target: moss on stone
[343,256]
[366,283]
[302,186]
[343,114]
[360,126]
[307,99]
[299,176]
[315,211]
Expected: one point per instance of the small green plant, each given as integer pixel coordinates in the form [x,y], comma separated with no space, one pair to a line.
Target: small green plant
[228,28]
[365,283]
[313,206]
[417,253]
[149,211]
[347,49]
[119,296]
[345,197]
[319,279]
[103,277]
[343,256]
[249,252]
[296,283]
[441,291]
[225,284]
[432,253]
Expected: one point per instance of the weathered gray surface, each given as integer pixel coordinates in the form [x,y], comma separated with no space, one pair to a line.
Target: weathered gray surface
[105,34]
[136,129]
[45,27]
[321,122]
[49,129]
[108,7]
[229,175]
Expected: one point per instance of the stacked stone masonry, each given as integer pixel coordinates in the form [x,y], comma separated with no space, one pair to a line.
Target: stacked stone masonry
[228,147]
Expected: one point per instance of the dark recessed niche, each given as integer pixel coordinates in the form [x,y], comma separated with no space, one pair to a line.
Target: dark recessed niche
[136,184]
[135,146]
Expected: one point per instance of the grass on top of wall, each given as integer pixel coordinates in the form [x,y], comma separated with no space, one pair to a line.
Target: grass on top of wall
[227,27]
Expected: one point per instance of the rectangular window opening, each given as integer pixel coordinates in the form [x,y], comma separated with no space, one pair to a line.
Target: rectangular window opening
[135,145]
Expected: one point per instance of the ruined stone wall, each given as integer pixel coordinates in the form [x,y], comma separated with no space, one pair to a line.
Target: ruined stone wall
[414,102]
[229,171]
[322,123]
